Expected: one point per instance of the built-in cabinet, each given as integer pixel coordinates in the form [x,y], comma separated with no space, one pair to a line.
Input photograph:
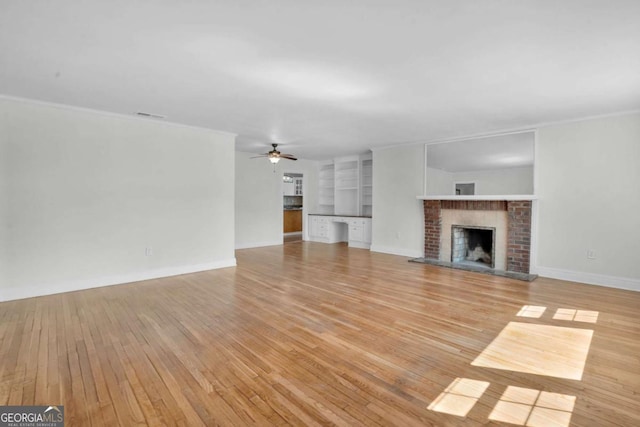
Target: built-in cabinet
[345,186]
[345,190]
[332,229]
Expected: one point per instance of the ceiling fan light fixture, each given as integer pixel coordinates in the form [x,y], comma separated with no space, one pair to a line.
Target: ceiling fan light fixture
[274,159]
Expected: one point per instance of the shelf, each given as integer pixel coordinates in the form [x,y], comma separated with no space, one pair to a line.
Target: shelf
[346,185]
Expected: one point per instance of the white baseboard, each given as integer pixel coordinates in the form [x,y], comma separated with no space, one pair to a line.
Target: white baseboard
[10,294]
[259,244]
[590,278]
[360,245]
[397,251]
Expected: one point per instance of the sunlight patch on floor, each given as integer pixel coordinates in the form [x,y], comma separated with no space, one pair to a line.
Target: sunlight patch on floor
[534,408]
[458,399]
[538,349]
[576,315]
[532,311]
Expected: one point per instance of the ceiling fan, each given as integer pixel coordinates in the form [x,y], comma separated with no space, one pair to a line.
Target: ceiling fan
[275,156]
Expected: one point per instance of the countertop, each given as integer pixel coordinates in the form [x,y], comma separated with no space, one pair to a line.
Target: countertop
[346,216]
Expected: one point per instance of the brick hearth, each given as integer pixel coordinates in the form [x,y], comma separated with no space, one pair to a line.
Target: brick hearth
[518,234]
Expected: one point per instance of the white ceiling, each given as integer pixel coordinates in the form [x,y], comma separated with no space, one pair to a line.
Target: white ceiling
[328,78]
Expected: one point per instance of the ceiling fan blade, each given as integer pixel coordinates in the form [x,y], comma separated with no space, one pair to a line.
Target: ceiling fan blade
[257,157]
[288,157]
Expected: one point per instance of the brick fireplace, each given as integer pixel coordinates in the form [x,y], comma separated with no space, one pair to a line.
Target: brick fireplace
[510,218]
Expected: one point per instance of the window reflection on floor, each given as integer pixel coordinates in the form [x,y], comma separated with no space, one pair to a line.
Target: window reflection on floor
[530,348]
[533,311]
[533,408]
[576,315]
[538,349]
[461,395]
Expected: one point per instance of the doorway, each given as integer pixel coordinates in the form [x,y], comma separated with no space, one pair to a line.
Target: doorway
[465,188]
[292,206]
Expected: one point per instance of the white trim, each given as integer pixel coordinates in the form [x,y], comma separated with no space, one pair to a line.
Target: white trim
[507,197]
[259,244]
[10,294]
[586,118]
[590,278]
[480,136]
[359,245]
[522,129]
[397,251]
[133,115]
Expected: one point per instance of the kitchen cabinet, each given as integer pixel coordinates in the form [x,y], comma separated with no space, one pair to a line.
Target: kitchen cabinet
[297,182]
[292,219]
[289,188]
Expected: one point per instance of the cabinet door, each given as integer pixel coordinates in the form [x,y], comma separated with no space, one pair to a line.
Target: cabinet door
[367,231]
[298,186]
[292,221]
[356,232]
[297,220]
[313,226]
[288,188]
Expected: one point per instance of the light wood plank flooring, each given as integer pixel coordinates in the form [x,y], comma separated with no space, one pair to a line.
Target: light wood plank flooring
[315,334]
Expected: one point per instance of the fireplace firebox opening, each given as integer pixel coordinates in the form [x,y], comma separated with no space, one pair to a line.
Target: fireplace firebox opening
[473,245]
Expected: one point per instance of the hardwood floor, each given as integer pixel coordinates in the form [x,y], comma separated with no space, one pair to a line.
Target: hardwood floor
[315,334]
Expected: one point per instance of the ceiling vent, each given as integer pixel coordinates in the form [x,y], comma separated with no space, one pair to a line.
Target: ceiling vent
[150,115]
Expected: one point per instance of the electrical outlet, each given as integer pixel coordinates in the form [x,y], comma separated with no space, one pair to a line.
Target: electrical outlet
[148,251]
[591,254]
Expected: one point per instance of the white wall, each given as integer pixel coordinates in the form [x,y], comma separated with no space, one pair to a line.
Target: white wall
[87,192]
[398,217]
[498,181]
[259,203]
[588,183]
[4,200]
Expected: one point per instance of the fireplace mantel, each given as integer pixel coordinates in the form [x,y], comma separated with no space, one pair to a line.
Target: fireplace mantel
[506,197]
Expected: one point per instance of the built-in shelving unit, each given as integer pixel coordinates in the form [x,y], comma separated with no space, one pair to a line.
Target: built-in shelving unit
[345,186]
[326,188]
[366,186]
[346,180]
